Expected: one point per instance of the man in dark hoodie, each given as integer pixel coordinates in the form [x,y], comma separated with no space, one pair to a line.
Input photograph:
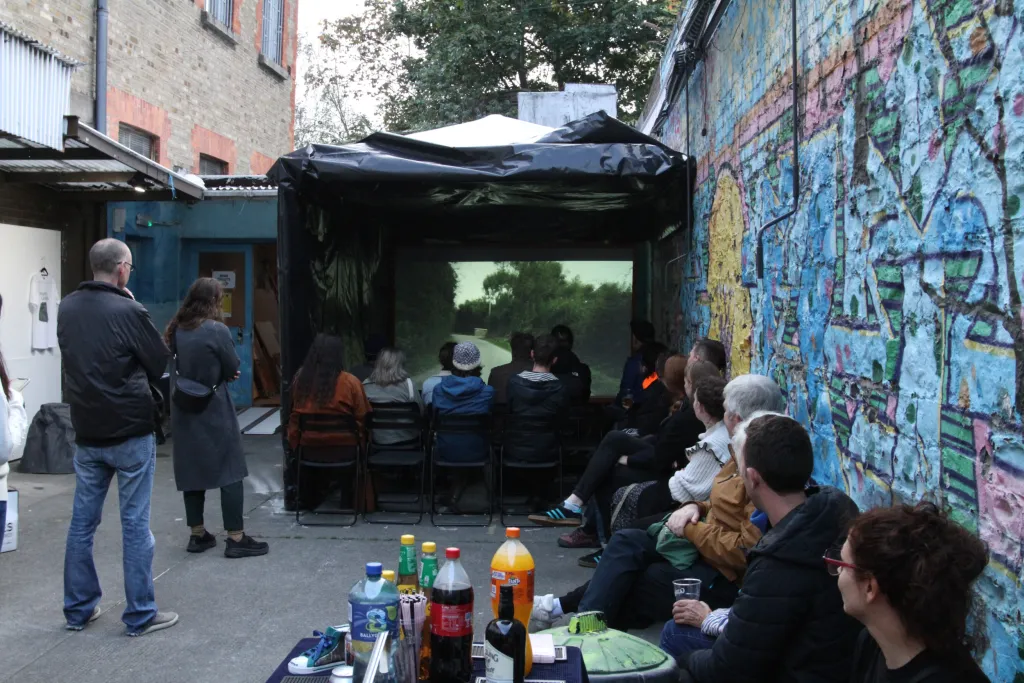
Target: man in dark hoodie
[536,394]
[787,623]
[573,372]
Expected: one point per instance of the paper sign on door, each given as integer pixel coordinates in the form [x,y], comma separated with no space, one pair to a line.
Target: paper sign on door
[226,277]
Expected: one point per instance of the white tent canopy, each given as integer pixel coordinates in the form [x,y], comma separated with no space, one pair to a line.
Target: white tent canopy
[490,131]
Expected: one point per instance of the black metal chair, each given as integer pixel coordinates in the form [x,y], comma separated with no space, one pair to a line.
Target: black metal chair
[335,457]
[461,426]
[406,417]
[521,432]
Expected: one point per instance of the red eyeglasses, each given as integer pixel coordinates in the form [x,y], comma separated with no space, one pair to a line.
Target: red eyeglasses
[834,561]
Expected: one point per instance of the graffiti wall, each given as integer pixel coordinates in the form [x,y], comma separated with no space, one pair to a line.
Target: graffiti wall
[889,307]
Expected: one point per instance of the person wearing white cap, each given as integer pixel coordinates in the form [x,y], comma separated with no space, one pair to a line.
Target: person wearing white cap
[463,393]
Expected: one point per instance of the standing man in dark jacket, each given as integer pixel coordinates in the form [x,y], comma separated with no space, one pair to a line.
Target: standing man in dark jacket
[539,395]
[787,623]
[111,353]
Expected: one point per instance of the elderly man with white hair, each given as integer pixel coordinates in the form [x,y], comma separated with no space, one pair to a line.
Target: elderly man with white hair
[633,584]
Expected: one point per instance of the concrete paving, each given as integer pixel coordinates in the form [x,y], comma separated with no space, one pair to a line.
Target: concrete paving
[239,618]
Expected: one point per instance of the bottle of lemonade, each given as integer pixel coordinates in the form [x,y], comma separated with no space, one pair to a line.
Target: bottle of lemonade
[513,565]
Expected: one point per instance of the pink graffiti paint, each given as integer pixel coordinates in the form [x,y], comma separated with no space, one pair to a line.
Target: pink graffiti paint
[890,408]
[851,408]
[982,434]
[839,359]
[830,286]
[846,351]
[1000,499]
[1018,104]
[934,145]
[998,141]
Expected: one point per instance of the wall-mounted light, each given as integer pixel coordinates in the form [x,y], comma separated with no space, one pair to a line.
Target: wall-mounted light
[139,183]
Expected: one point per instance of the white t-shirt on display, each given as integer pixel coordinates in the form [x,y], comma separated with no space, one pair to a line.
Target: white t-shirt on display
[42,301]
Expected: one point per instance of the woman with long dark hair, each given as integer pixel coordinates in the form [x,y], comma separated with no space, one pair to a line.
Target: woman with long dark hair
[207,443]
[906,572]
[322,386]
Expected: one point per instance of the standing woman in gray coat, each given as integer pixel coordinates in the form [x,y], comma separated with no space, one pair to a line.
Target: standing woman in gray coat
[206,440]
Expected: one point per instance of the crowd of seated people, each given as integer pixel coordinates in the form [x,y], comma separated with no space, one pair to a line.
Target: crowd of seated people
[795,583]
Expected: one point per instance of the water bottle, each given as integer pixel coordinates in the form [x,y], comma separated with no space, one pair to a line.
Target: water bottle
[372,610]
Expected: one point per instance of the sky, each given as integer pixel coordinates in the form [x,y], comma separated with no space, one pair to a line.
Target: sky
[472,275]
[312,12]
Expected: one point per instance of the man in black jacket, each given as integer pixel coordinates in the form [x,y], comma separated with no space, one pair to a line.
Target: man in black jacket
[573,372]
[111,352]
[614,457]
[535,396]
[787,623]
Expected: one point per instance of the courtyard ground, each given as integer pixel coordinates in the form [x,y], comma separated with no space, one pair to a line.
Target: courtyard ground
[239,618]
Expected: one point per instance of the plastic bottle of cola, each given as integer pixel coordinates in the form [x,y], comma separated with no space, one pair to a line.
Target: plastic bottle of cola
[451,623]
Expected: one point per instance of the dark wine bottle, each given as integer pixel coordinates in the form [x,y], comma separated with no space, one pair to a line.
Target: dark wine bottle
[506,643]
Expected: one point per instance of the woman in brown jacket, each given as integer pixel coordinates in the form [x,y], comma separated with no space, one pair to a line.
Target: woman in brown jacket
[322,386]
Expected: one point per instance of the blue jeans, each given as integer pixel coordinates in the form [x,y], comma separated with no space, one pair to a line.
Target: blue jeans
[3,520]
[679,641]
[134,462]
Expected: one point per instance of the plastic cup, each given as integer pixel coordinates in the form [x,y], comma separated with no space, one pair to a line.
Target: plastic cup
[687,589]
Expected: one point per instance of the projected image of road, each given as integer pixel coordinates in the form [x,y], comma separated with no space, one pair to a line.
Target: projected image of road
[486,301]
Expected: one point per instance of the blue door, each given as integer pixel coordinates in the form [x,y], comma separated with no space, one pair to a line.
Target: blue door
[232,265]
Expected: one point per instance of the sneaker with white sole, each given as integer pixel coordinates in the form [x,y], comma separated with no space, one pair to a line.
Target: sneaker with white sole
[542,618]
[161,621]
[92,617]
[324,656]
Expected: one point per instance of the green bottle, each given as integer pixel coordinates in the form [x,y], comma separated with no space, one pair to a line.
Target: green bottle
[408,579]
[428,568]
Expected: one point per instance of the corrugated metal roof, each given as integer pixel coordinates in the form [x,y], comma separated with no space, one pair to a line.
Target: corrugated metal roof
[35,89]
[239,186]
[92,164]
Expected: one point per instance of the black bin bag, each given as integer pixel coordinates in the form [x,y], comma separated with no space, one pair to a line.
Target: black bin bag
[50,446]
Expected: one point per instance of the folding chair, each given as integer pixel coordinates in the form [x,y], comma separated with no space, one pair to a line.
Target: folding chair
[456,426]
[407,417]
[327,458]
[525,430]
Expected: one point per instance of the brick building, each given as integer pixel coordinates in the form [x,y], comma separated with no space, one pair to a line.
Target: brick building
[196,85]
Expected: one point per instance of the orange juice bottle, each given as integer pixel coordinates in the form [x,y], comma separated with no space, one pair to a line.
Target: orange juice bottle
[513,565]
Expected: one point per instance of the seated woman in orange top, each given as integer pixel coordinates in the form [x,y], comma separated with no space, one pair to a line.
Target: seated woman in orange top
[322,386]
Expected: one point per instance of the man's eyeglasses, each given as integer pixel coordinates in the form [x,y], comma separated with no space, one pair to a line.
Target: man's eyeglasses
[131,266]
[834,561]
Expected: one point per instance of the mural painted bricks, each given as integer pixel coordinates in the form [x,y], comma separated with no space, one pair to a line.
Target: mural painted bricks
[890,306]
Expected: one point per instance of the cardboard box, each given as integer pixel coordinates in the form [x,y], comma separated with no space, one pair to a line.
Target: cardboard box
[11,528]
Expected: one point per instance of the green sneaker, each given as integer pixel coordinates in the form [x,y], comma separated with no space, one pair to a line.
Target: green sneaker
[327,654]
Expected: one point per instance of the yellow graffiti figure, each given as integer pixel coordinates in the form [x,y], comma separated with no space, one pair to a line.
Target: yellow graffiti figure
[730,301]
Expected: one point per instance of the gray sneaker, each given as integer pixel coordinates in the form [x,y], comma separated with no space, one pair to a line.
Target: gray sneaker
[93,617]
[161,621]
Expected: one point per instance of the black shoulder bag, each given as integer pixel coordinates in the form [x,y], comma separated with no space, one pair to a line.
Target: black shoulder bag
[189,395]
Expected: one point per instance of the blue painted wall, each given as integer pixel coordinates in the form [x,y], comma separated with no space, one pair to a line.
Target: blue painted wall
[166,254]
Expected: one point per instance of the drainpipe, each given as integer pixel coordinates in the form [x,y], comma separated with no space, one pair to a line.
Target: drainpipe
[100,114]
[796,161]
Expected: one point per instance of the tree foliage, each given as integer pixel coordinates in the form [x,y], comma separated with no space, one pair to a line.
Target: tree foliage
[534,296]
[430,63]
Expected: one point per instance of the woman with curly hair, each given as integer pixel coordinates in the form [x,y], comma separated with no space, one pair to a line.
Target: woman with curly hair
[207,443]
[906,573]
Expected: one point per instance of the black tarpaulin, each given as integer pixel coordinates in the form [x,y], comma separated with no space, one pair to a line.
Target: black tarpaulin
[595,164]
